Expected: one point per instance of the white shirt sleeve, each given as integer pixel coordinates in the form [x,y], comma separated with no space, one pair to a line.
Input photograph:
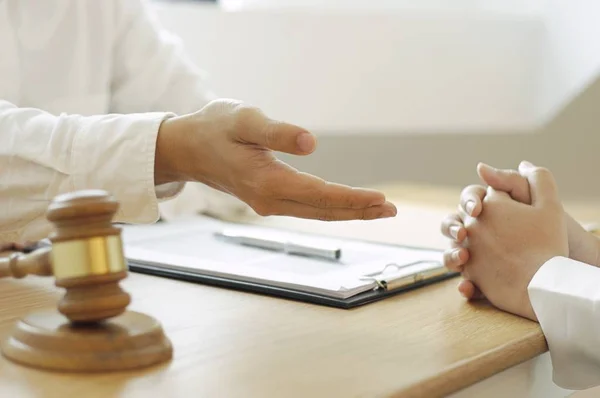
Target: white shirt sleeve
[43,155]
[152,72]
[565,295]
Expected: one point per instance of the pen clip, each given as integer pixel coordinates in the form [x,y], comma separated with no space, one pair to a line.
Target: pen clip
[391,282]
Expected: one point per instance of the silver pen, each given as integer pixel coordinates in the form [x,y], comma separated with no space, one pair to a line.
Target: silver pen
[326,252]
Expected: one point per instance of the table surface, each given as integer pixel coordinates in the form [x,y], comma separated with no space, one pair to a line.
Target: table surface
[425,343]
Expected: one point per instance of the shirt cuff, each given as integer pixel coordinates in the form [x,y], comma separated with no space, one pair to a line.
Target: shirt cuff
[564,295]
[116,153]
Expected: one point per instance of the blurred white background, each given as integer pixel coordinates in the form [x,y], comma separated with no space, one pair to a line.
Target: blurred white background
[510,6]
[396,82]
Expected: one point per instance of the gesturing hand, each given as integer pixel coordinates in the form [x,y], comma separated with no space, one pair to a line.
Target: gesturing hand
[228,146]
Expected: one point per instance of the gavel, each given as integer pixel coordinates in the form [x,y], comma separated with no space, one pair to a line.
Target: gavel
[91,330]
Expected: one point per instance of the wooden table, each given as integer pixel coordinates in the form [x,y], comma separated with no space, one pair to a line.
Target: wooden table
[426,343]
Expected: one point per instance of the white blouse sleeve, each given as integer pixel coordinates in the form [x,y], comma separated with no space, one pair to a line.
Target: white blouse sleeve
[565,295]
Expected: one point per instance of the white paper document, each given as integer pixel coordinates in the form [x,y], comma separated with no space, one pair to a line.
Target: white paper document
[192,246]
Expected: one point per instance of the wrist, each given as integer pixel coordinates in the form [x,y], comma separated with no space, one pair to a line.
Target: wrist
[168,153]
[584,245]
[597,247]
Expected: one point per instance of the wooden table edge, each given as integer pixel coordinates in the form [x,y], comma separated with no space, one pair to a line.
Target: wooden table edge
[469,372]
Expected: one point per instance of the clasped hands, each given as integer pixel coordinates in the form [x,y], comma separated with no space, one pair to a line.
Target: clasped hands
[503,233]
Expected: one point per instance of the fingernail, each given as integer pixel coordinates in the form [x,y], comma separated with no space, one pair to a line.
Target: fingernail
[485,166]
[470,206]
[526,164]
[306,142]
[389,213]
[458,287]
[454,231]
[456,255]
[377,202]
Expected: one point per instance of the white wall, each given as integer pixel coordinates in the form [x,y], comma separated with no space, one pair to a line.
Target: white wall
[517,70]
[571,53]
[374,72]
[379,66]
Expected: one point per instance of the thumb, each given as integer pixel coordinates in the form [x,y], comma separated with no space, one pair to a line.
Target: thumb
[285,137]
[509,181]
[542,185]
[253,127]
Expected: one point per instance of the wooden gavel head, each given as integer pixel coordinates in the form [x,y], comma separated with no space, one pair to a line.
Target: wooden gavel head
[87,256]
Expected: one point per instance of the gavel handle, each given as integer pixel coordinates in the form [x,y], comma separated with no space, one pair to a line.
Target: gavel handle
[19,265]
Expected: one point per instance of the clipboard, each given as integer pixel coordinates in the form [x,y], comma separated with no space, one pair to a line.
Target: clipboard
[387,289]
[382,281]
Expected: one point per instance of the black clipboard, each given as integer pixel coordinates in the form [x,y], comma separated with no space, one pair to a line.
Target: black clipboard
[385,287]
[358,300]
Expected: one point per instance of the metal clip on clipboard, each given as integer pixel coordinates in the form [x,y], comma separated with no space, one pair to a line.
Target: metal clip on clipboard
[386,281]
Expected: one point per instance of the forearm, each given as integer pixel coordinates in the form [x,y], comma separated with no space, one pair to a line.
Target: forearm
[171,150]
[594,238]
[596,245]
[584,246]
[185,148]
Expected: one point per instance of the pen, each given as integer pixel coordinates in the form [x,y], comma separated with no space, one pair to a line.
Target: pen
[391,282]
[326,252]
[416,277]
